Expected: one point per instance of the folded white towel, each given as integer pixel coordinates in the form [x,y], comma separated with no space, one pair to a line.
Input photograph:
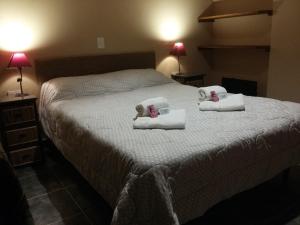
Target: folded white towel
[230,103]
[159,102]
[175,119]
[205,92]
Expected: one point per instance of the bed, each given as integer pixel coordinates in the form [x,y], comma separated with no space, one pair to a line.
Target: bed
[161,177]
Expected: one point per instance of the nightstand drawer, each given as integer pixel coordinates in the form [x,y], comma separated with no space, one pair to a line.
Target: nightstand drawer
[19,115]
[25,156]
[22,136]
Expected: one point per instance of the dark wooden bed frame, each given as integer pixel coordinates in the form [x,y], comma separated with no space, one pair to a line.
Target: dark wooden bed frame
[47,69]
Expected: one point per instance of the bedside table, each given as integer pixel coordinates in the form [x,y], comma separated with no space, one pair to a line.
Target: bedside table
[20,134]
[194,79]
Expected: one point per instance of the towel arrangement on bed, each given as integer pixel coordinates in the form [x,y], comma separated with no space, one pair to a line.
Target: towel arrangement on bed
[205,92]
[155,113]
[158,103]
[216,98]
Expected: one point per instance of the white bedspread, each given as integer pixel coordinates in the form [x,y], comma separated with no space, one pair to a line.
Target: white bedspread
[169,177]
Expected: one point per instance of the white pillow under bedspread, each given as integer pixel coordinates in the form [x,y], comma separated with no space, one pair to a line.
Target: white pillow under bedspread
[99,84]
[170,177]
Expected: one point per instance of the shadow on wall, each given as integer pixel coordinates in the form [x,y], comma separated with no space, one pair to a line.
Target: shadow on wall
[4,72]
[4,60]
[277,4]
[50,24]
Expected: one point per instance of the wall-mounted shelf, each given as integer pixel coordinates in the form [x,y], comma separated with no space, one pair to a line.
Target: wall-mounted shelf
[266,48]
[212,18]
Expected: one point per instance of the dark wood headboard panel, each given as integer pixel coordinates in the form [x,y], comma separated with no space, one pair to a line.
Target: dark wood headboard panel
[47,69]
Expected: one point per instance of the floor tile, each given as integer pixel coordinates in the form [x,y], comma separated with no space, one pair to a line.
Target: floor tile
[98,215]
[86,197]
[97,210]
[82,196]
[39,183]
[52,207]
[29,170]
[75,220]
[66,175]
[23,172]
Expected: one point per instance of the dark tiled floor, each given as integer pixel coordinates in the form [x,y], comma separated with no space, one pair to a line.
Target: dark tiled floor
[58,195]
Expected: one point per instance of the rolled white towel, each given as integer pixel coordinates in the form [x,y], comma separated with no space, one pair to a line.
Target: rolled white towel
[158,103]
[163,111]
[205,92]
[175,119]
[230,103]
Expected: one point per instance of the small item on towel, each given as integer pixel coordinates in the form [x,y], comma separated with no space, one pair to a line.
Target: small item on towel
[152,111]
[142,107]
[163,111]
[175,119]
[214,96]
[205,92]
[230,103]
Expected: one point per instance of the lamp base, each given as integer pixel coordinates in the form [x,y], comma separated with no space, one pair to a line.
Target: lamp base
[21,95]
[176,74]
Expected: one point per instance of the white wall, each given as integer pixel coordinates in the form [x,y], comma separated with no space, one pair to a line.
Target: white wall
[248,30]
[284,70]
[69,27]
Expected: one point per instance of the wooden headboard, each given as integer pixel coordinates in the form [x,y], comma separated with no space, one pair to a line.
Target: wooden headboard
[47,69]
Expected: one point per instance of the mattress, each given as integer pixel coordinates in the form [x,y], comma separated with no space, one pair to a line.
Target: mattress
[166,177]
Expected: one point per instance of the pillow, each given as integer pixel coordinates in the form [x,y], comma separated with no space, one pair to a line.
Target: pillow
[99,84]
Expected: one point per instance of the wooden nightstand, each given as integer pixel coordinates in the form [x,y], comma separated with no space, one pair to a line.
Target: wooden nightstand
[195,79]
[20,134]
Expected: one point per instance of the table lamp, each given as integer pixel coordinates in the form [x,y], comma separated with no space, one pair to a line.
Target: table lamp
[19,60]
[178,50]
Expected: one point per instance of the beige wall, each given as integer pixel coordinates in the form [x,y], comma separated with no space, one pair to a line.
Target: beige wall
[284,72]
[70,27]
[249,30]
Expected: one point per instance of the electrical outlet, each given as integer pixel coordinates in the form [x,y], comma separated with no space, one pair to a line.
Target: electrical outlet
[100,42]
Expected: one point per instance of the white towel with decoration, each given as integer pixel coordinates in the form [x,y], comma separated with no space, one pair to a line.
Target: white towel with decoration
[230,103]
[158,103]
[205,92]
[175,119]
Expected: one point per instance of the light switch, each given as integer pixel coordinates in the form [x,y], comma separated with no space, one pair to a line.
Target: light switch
[100,42]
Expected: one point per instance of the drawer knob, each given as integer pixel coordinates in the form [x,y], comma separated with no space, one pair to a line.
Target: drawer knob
[21,136]
[26,157]
[18,115]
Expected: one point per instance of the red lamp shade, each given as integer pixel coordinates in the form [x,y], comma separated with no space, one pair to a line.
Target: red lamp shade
[19,60]
[178,49]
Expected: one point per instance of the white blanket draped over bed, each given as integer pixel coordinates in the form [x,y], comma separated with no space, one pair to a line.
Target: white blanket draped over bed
[159,177]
